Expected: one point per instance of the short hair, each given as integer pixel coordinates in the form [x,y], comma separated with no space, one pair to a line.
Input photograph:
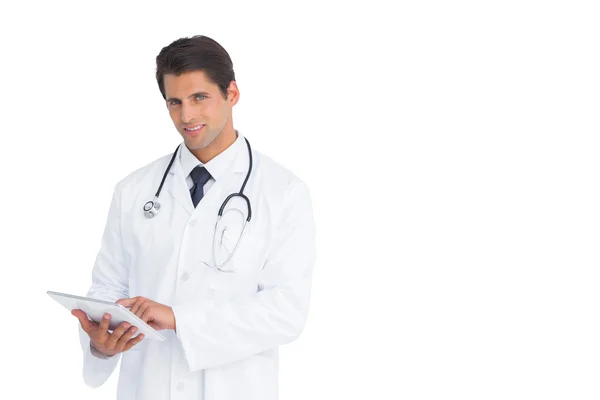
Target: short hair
[198,53]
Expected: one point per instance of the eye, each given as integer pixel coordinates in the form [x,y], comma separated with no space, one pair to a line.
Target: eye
[173,102]
[200,97]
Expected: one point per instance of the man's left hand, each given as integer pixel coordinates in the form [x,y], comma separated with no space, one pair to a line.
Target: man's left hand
[157,315]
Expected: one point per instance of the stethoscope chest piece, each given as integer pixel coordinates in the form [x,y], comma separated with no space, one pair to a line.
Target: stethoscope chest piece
[151,208]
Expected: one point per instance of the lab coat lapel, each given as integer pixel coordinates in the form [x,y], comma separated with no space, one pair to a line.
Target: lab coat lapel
[178,187]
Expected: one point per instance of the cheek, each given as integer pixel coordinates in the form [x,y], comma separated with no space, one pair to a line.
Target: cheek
[174,113]
[216,110]
[219,113]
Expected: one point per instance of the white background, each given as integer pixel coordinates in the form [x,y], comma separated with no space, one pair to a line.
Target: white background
[452,153]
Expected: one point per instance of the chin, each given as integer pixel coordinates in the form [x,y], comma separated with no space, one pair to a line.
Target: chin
[194,143]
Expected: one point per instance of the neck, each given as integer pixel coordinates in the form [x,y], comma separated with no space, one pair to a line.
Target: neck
[217,146]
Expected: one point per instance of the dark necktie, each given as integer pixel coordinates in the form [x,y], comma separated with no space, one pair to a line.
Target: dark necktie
[199,176]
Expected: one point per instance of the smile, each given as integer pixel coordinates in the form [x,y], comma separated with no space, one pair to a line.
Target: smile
[194,128]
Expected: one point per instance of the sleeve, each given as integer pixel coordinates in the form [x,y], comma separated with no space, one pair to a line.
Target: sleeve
[213,334]
[109,282]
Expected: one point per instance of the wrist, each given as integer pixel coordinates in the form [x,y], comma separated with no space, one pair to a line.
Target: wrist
[98,352]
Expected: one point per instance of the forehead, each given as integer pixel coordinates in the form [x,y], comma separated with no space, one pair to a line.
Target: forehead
[188,83]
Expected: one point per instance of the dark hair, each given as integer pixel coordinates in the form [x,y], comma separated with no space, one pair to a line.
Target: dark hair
[193,54]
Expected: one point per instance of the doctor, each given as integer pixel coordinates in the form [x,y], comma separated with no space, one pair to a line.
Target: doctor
[226,279]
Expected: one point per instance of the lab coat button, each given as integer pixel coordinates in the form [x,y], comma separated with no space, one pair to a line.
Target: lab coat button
[194,222]
[180,386]
[185,277]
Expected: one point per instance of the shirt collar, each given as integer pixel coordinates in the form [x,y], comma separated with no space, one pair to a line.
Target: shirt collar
[217,166]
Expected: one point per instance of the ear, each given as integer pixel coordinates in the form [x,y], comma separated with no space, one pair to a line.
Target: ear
[233,93]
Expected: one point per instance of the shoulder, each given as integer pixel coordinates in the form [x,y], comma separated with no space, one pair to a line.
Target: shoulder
[278,182]
[274,172]
[145,175]
[285,195]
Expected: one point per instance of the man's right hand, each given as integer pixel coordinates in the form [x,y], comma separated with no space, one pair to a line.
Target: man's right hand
[105,342]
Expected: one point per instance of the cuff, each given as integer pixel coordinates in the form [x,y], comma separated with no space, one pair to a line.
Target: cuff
[97,353]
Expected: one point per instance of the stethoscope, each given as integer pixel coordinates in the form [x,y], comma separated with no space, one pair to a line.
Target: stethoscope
[152,207]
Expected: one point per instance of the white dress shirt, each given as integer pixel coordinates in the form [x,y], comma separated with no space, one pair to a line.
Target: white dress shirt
[216,167]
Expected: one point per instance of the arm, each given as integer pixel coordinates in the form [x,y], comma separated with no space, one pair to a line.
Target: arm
[109,282]
[218,333]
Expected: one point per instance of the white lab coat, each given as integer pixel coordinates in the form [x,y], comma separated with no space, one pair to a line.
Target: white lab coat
[229,325]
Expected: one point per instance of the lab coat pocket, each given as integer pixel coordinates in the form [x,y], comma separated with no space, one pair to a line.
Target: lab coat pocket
[225,281]
[244,268]
[239,275]
[250,252]
[223,285]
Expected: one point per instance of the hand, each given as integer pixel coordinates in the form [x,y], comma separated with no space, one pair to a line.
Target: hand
[108,343]
[157,315]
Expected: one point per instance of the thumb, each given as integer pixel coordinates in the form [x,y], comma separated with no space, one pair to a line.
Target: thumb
[86,324]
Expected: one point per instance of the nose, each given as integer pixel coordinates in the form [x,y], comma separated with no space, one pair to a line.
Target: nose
[187,114]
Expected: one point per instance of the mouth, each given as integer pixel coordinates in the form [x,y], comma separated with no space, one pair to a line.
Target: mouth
[194,130]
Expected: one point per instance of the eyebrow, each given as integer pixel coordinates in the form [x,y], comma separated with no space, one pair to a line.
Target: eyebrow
[190,96]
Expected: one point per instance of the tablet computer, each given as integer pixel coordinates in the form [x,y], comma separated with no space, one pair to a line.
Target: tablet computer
[95,309]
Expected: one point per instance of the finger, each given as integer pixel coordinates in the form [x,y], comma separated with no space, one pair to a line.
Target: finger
[114,337]
[126,302]
[145,309]
[134,341]
[85,323]
[104,323]
[147,314]
[138,304]
[154,325]
[123,340]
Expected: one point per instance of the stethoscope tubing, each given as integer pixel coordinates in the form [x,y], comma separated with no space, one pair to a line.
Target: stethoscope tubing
[152,207]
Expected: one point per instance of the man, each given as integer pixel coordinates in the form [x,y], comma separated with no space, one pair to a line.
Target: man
[171,263]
